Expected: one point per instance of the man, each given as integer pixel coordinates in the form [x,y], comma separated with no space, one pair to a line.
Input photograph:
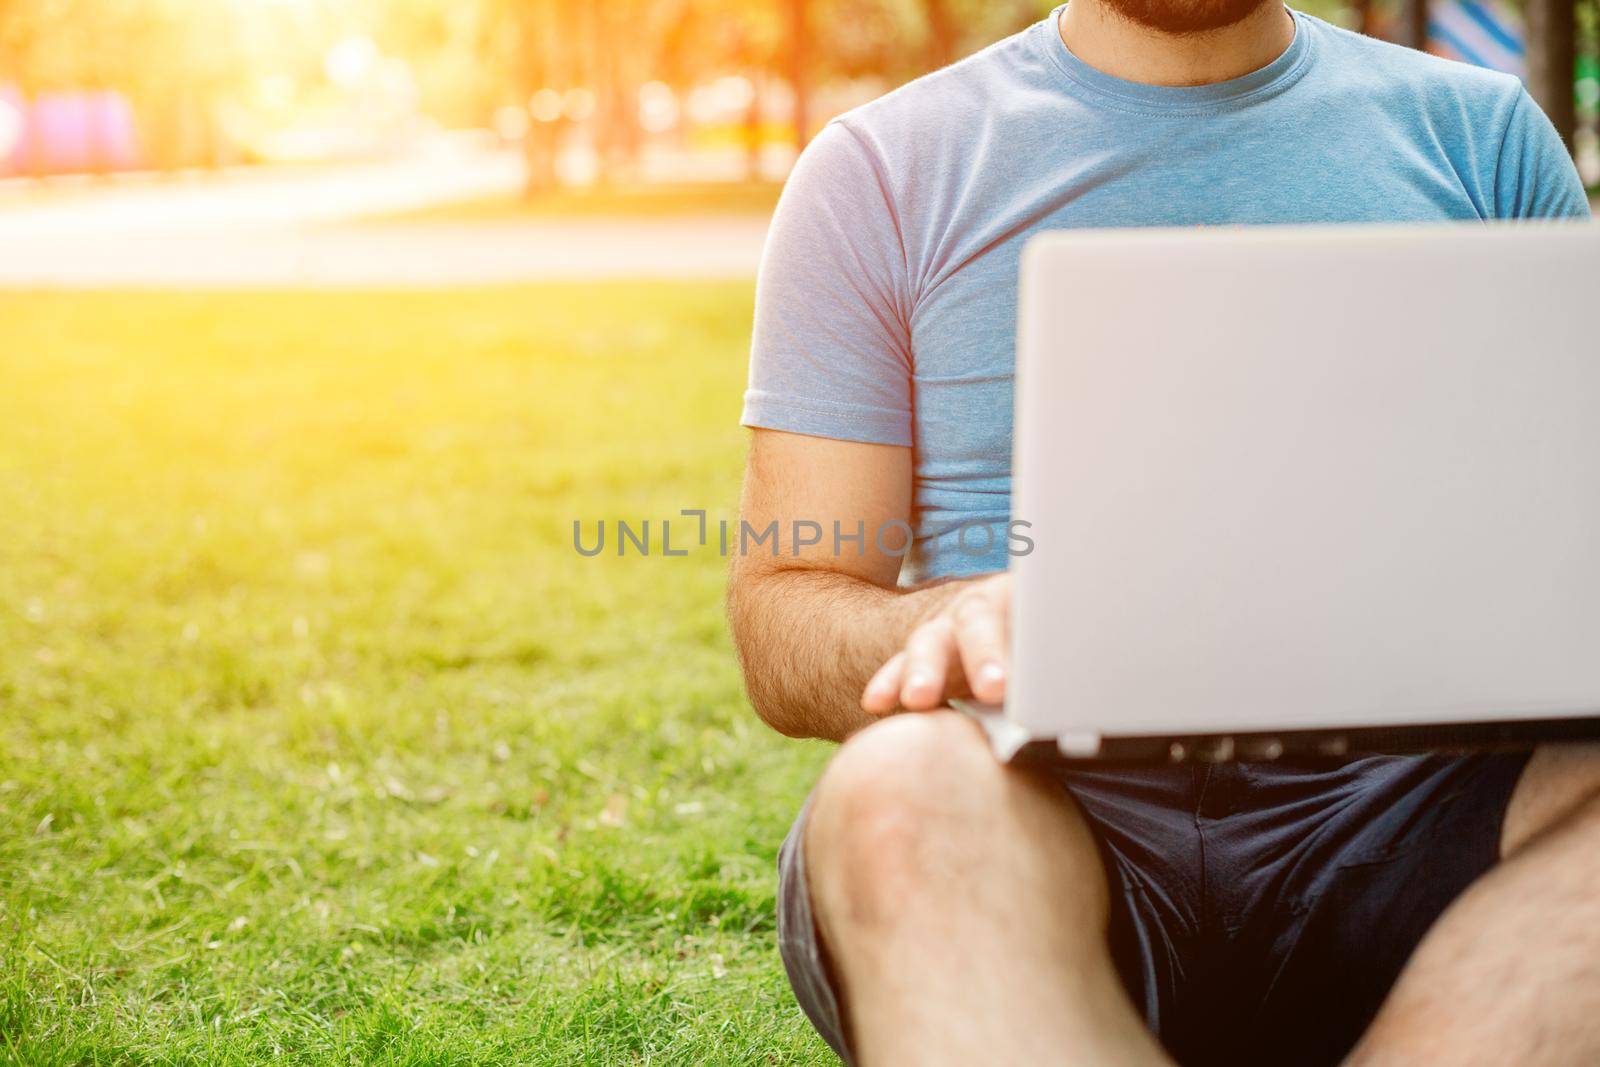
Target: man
[937,907]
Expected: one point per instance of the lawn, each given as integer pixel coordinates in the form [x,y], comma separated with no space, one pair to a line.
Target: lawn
[319,743]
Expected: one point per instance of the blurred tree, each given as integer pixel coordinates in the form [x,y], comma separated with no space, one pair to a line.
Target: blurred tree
[611,48]
[706,39]
[899,39]
[544,58]
[799,35]
[1552,56]
[172,59]
[18,40]
[1412,26]
[942,32]
[458,52]
[593,56]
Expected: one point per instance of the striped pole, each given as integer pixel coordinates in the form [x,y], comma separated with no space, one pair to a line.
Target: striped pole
[1486,33]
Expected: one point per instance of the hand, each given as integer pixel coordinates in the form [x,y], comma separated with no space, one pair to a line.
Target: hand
[962,649]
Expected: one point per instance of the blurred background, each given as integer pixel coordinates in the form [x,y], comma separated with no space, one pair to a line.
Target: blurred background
[304,110]
[322,324]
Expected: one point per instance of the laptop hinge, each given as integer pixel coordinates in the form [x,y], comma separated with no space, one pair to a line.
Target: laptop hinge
[1078,744]
[1006,738]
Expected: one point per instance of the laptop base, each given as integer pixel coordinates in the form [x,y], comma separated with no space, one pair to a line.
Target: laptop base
[1011,742]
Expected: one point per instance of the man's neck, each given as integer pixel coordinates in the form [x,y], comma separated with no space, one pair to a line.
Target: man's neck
[1114,45]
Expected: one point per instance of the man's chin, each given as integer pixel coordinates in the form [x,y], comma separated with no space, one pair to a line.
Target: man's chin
[1185,16]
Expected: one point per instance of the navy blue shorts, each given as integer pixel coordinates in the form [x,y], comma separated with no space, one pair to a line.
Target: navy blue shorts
[1260,912]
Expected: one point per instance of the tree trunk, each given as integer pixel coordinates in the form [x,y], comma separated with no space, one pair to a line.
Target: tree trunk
[1366,20]
[539,146]
[799,79]
[535,26]
[1551,57]
[1412,30]
[941,32]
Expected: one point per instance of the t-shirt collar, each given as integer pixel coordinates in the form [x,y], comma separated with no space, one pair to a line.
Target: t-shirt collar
[1263,81]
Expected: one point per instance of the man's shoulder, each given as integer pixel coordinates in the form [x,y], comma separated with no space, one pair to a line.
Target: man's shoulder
[1386,71]
[949,106]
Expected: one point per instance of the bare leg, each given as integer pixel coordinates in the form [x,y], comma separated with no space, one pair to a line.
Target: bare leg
[1511,972]
[964,906]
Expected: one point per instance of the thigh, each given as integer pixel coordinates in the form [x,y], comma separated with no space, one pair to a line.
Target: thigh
[1558,779]
[1146,842]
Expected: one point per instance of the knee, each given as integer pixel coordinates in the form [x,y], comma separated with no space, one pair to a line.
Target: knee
[898,773]
[896,796]
[917,808]
[908,760]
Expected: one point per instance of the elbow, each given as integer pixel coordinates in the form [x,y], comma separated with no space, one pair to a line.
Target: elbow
[788,682]
[776,714]
[766,697]
[784,708]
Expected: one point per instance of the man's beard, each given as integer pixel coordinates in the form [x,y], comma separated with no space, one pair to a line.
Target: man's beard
[1184,16]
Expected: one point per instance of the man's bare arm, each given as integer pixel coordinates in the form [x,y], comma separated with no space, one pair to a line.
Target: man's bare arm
[815,623]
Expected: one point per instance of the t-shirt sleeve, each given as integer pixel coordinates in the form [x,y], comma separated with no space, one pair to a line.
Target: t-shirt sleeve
[1535,178]
[831,353]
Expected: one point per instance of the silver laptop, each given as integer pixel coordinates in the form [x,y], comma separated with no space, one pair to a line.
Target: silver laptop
[1306,490]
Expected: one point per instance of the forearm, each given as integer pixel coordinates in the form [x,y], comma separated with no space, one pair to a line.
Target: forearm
[809,639]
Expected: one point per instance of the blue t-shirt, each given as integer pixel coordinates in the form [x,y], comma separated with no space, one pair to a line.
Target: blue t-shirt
[887,301]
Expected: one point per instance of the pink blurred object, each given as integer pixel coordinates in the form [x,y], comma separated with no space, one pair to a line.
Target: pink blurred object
[66,132]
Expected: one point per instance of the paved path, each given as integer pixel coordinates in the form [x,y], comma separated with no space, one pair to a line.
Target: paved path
[429,255]
[254,229]
[266,228]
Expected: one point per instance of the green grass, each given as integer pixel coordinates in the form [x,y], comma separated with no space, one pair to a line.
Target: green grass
[318,741]
[622,201]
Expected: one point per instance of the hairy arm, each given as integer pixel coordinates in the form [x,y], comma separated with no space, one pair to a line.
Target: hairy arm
[815,624]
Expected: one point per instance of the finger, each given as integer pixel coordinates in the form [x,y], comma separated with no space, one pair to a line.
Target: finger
[882,694]
[980,629]
[929,653]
